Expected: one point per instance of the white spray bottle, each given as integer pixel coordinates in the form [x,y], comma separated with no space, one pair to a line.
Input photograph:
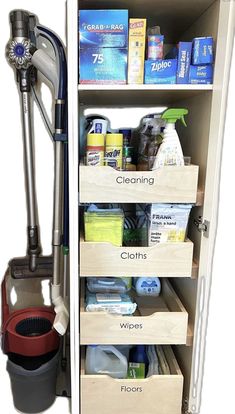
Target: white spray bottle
[170,151]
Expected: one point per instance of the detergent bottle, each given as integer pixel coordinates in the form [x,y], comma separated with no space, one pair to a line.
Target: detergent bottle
[106,360]
[170,151]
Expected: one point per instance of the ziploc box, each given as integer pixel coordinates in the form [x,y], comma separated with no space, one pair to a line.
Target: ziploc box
[203,51]
[136,55]
[160,71]
[103,66]
[201,74]
[183,52]
[103,28]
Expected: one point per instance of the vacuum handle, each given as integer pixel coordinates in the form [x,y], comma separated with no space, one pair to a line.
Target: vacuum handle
[20,24]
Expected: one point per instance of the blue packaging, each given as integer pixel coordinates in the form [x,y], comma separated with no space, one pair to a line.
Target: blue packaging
[184,61]
[182,52]
[103,66]
[103,28]
[160,71]
[201,74]
[203,51]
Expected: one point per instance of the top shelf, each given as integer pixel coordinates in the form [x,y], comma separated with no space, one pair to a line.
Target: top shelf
[147,94]
[174,16]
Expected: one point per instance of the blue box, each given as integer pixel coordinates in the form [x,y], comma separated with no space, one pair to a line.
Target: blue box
[201,74]
[103,66]
[203,53]
[103,28]
[160,71]
[184,61]
[182,52]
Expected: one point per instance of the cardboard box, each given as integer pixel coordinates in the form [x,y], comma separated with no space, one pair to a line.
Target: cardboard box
[201,74]
[103,66]
[182,52]
[203,51]
[103,28]
[136,55]
[160,71]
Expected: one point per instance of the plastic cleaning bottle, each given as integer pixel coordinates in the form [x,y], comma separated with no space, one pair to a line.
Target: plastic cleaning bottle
[106,360]
[150,140]
[138,355]
[147,286]
[99,126]
[170,151]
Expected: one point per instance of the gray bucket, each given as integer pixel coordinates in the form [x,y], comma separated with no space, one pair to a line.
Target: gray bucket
[33,381]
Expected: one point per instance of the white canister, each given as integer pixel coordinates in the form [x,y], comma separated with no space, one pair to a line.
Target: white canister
[147,286]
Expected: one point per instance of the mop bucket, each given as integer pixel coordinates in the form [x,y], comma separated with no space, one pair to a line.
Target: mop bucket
[32,347]
[33,381]
[28,332]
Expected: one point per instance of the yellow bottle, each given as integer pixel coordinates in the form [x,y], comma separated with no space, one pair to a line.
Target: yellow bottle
[95,150]
[114,150]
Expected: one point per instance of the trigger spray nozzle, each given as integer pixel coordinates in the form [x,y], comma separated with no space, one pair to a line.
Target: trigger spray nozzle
[171,116]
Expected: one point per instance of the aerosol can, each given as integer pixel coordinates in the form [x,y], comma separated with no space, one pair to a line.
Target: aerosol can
[170,151]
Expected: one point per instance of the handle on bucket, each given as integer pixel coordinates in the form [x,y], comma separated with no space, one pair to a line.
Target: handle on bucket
[5,307]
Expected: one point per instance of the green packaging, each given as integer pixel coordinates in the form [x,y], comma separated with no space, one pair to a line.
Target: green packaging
[136,371]
[104,226]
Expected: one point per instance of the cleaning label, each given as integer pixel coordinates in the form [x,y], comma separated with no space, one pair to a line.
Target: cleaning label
[136,370]
[168,223]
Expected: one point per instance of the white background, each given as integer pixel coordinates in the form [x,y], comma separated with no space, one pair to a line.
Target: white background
[218,390]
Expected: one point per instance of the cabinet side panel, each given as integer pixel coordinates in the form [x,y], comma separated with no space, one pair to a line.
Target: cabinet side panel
[72,36]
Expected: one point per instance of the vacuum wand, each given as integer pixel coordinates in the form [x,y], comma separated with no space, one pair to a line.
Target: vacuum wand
[27,59]
[20,50]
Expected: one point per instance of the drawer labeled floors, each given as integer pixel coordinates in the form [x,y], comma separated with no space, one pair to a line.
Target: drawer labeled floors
[157,320]
[163,260]
[158,394]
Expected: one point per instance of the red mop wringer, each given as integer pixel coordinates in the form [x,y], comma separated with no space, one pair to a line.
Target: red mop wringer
[31,330]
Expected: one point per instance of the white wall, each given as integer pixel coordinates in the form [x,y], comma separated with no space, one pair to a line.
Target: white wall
[219,382]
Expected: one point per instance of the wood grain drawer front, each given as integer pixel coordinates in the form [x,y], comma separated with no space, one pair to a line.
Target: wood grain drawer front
[159,394]
[163,260]
[160,320]
[167,185]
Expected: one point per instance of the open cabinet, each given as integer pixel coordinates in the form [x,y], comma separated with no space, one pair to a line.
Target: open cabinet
[178,321]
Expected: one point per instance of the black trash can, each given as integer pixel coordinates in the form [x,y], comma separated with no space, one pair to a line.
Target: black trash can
[33,381]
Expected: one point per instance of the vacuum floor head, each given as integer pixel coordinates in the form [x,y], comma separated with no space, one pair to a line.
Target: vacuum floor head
[19,268]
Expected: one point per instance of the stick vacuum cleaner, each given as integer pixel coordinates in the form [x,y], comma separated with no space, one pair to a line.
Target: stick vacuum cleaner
[33,330]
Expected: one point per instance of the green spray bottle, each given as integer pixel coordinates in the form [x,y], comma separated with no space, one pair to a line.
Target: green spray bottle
[170,151]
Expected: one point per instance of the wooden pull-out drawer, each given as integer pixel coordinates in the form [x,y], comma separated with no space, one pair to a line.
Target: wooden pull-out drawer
[167,185]
[163,260]
[160,320]
[159,394]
